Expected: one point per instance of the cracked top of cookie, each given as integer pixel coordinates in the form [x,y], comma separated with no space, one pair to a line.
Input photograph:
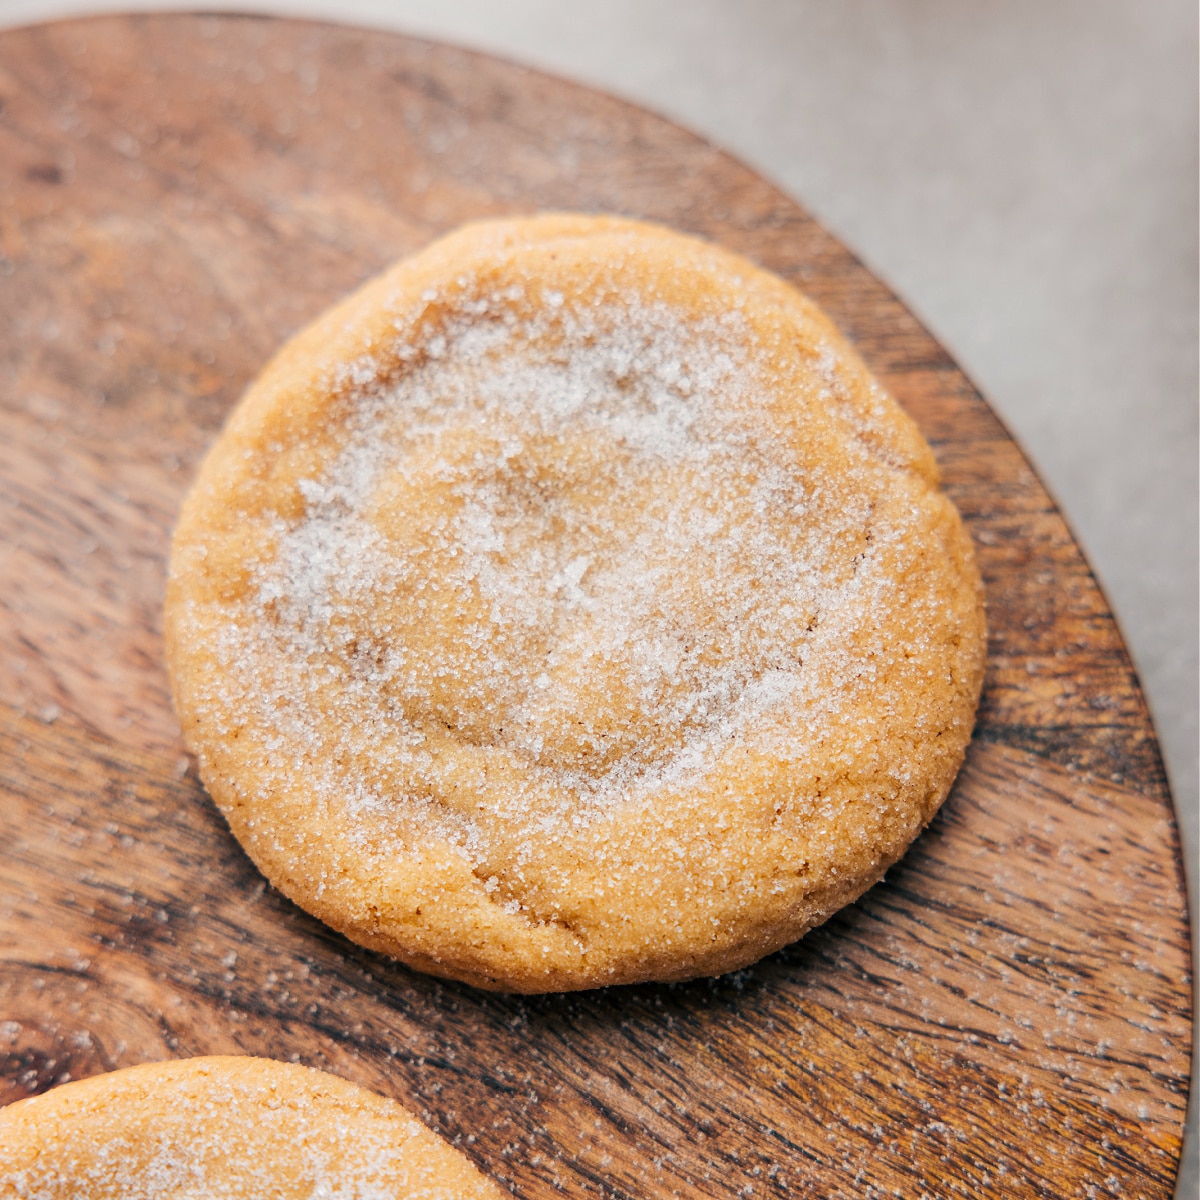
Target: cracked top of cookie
[570,607]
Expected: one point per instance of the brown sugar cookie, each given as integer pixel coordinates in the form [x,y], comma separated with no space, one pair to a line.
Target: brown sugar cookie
[569,606]
[225,1129]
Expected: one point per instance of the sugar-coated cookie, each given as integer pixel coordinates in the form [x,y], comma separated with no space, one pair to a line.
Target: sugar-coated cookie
[569,606]
[225,1128]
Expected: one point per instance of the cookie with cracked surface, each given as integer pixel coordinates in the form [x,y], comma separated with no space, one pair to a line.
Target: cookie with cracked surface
[569,606]
[225,1128]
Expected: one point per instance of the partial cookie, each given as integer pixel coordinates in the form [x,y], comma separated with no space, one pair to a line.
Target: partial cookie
[570,607]
[225,1129]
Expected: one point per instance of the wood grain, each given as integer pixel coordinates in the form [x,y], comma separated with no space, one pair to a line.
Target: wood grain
[1008,1014]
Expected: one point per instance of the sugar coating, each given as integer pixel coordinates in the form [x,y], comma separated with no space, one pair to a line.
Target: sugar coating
[225,1128]
[570,607]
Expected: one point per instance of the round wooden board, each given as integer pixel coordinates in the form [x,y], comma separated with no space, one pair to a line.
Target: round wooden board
[1008,1014]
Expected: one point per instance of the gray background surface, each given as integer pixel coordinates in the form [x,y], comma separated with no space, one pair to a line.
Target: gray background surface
[1024,174]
